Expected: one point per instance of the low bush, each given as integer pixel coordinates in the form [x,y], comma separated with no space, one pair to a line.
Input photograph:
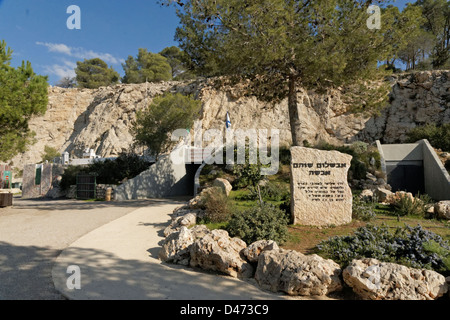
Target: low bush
[438,136]
[217,207]
[285,206]
[407,246]
[362,210]
[264,222]
[405,205]
[444,254]
[273,191]
[69,177]
[285,156]
[126,166]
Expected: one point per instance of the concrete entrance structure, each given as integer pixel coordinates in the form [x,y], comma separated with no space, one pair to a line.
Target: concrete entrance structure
[165,178]
[415,167]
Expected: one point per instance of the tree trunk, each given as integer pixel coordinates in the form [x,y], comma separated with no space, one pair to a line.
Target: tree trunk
[294,117]
[259,194]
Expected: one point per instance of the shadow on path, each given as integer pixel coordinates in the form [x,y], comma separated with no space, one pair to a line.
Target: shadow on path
[25,273]
[105,276]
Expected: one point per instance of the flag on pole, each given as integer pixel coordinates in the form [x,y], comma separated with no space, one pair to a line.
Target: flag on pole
[228,122]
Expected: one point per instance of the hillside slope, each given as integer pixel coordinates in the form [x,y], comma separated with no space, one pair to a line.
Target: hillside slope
[100,119]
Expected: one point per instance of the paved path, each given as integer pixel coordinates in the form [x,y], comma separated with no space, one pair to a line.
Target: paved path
[114,244]
[119,261]
[34,232]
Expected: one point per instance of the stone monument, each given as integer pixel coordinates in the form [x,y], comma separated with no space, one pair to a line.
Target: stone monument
[320,194]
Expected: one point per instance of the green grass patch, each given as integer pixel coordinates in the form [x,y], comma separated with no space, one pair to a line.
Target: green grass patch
[218,225]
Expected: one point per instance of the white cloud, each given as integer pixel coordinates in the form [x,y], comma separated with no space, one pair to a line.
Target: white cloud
[79,52]
[56,47]
[61,71]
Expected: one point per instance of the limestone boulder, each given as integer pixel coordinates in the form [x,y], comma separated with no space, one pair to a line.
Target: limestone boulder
[253,251]
[383,194]
[297,274]
[374,280]
[224,184]
[186,220]
[176,247]
[216,251]
[442,209]
[199,231]
[366,195]
[195,203]
[198,202]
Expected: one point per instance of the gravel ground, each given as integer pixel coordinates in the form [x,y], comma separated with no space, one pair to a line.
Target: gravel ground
[34,232]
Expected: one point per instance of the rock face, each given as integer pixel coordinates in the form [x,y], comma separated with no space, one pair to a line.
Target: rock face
[415,99]
[297,274]
[100,119]
[375,280]
[320,194]
[218,252]
[442,209]
[97,119]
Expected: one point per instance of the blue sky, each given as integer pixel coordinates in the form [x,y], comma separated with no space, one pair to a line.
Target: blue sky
[37,31]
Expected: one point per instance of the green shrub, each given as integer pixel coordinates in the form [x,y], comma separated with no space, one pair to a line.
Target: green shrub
[285,156]
[407,206]
[407,246]
[285,206]
[273,191]
[359,147]
[69,177]
[217,207]
[49,154]
[362,210]
[438,136]
[265,222]
[126,166]
[433,247]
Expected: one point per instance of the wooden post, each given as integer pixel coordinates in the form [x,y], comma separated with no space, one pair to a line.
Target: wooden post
[108,194]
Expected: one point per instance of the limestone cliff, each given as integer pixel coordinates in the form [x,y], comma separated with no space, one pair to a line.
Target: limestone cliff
[100,119]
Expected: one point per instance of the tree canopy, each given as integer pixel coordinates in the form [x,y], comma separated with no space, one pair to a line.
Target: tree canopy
[153,126]
[95,73]
[23,94]
[147,66]
[276,45]
[177,60]
[423,34]
[437,24]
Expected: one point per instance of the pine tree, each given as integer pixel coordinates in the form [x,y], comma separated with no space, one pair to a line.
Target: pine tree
[23,94]
[147,66]
[94,73]
[278,45]
[153,126]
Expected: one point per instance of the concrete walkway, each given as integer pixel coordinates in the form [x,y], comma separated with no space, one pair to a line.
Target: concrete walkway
[119,261]
[34,232]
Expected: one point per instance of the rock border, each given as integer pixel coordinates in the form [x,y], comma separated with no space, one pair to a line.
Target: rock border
[289,271]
